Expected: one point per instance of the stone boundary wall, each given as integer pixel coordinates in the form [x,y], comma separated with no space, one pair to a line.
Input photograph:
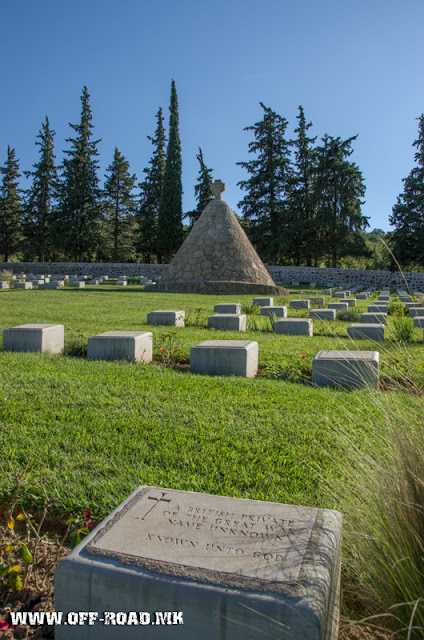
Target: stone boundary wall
[280,275]
[363,277]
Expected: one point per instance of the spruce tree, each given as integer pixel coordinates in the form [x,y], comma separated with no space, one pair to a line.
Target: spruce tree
[265,205]
[202,190]
[170,225]
[120,207]
[301,216]
[11,210]
[78,220]
[41,196]
[408,213]
[339,188]
[150,194]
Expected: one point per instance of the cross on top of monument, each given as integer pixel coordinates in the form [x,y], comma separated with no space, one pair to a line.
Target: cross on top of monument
[217,188]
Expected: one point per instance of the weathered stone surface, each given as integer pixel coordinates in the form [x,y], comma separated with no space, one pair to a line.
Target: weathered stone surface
[413,312]
[300,304]
[237,569]
[263,302]
[294,327]
[323,314]
[169,318]
[320,300]
[134,346]
[349,369]
[339,306]
[351,301]
[280,312]
[366,331]
[46,338]
[78,284]
[225,358]
[23,285]
[378,307]
[419,322]
[216,251]
[228,307]
[227,322]
[339,294]
[4,284]
[374,318]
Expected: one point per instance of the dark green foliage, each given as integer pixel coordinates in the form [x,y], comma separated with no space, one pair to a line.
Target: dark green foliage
[120,207]
[265,205]
[302,231]
[202,190]
[151,191]
[339,188]
[408,213]
[41,197]
[170,227]
[78,220]
[11,211]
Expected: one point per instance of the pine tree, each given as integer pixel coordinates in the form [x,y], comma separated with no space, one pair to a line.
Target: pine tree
[41,197]
[78,222]
[202,190]
[339,188]
[170,225]
[408,213]
[120,208]
[150,193]
[265,206]
[302,205]
[11,210]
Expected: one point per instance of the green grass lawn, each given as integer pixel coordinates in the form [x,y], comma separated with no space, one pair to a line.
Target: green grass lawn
[95,430]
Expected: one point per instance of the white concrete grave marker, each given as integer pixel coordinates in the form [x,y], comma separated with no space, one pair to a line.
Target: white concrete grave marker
[218,567]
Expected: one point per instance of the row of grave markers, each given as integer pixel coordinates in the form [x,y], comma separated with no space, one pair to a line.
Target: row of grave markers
[58,281]
[215,357]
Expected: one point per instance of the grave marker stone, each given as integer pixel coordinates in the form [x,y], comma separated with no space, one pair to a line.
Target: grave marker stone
[229,567]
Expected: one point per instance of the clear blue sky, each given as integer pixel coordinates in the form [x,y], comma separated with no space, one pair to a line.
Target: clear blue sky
[355,67]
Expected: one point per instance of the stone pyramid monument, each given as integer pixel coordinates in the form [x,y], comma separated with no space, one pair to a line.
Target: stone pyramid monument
[217,256]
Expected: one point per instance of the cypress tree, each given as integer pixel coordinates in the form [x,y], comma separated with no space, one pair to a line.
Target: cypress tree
[150,193]
[408,213]
[11,210]
[302,204]
[202,190]
[77,224]
[339,188]
[265,205]
[120,208]
[42,195]
[170,220]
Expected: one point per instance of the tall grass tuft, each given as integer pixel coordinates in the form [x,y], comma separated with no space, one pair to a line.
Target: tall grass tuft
[7,276]
[402,328]
[250,309]
[382,497]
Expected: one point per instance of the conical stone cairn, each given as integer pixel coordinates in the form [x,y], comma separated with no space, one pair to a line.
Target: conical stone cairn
[217,257]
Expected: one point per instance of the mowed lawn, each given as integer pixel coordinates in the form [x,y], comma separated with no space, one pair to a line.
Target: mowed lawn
[95,430]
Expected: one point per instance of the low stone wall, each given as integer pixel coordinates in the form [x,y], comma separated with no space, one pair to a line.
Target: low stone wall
[280,275]
[219,286]
[342,277]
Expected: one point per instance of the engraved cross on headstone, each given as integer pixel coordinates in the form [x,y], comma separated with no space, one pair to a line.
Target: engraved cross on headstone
[157,500]
[217,188]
